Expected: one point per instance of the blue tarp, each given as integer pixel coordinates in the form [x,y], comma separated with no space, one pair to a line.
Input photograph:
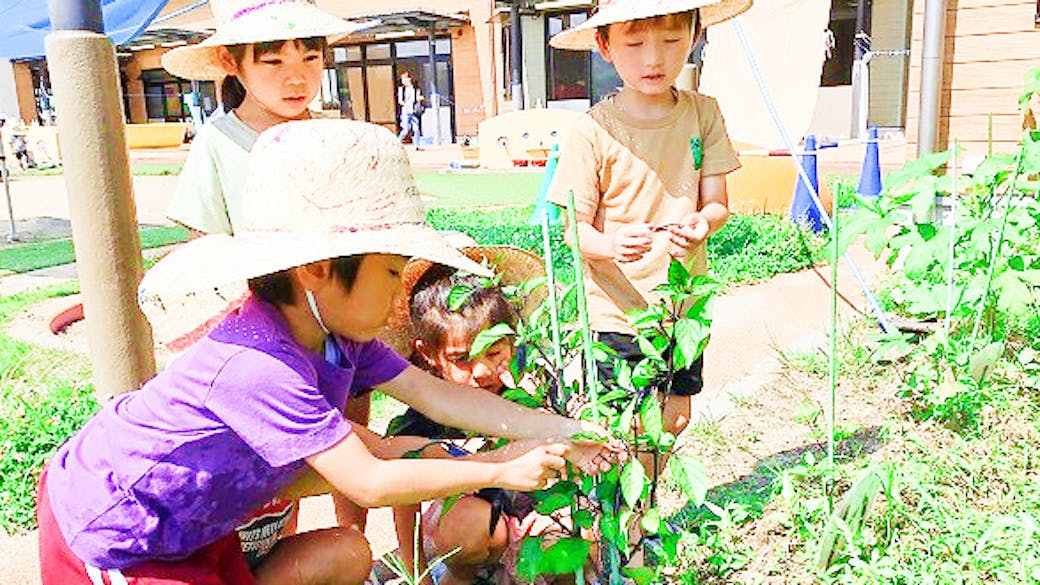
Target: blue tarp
[25,23]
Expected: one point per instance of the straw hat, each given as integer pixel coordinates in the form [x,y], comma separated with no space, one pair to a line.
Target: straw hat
[583,36]
[317,189]
[241,22]
[513,265]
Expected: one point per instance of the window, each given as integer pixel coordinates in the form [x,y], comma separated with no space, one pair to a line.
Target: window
[837,69]
[569,71]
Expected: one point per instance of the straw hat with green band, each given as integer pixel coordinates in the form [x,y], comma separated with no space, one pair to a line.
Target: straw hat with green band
[607,12]
[512,266]
[242,22]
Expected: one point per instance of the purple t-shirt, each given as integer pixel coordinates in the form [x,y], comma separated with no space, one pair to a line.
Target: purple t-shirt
[161,472]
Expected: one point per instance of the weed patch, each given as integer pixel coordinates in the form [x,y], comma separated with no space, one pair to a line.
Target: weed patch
[46,399]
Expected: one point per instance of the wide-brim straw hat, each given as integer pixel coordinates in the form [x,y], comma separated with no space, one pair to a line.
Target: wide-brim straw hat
[511,265]
[242,22]
[583,36]
[315,190]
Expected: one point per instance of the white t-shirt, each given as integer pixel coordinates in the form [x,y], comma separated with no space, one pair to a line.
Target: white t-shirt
[209,192]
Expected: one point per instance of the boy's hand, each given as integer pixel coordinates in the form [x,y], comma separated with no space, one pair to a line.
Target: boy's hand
[691,231]
[593,458]
[534,469]
[631,242]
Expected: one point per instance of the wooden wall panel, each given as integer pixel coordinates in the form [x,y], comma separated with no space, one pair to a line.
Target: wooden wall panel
[990,45]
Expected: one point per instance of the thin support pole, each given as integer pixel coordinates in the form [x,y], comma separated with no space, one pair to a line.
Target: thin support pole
[5,176]
[872,301]
[833,365]
[554,313]
[951,256]
[591,382]
[996,251]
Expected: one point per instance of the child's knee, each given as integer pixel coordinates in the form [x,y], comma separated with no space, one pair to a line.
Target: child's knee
[465,527]
[676,415]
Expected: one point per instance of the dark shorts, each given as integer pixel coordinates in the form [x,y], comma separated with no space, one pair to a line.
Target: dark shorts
[686,382]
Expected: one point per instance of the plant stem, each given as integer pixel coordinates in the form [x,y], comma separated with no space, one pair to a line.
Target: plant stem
[591,383]
[832,407]
[953,242]
[554,315]
[983,306]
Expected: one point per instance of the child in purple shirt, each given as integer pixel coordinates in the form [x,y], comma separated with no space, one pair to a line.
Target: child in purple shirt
[151,490]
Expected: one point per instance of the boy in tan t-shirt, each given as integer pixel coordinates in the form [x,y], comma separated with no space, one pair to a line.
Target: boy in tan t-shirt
[648,169]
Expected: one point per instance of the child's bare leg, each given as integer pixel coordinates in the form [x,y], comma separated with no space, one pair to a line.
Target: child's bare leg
[339,556]
[465,526]
[676,413]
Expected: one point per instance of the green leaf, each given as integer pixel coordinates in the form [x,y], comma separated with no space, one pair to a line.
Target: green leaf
[565,557]
[529,562]
[678,276]
[633,482]
[689,474]
[923,202]
[489,337]
[583,519]
[650,415]
[559,496]
[691,337]
[521,397]
[985,360]
[652,521]
[458,297]
[641,575]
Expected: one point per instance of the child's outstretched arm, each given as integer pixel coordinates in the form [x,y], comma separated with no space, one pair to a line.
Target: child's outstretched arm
[372,482]
[477,410]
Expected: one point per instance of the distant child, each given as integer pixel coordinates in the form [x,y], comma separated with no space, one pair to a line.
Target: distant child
[151,490]
[488,526]
[268,58]
[648,167]
[410,103]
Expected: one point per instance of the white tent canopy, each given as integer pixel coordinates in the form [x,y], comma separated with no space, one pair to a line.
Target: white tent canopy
[789,40]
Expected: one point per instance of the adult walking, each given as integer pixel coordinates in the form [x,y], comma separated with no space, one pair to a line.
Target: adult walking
[409,99]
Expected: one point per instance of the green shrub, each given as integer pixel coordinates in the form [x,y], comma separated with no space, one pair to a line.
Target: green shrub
[748,249]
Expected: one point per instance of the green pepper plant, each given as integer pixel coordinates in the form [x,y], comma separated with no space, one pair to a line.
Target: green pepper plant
[614,506]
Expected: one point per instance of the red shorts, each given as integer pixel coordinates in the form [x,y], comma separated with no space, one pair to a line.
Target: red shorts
[220,563]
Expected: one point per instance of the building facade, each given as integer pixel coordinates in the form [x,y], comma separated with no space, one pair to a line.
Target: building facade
[460,52]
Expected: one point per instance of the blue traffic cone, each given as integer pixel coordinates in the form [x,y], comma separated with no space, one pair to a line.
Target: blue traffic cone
[803,209]
[542,205]
[870,177]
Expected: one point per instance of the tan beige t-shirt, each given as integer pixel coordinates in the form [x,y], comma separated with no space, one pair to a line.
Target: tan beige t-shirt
[626,171]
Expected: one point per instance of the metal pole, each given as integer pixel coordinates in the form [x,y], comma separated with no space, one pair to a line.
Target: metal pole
[5,176]
[931,75]
[516,57]
[435,97]
[96,162]
[860,76]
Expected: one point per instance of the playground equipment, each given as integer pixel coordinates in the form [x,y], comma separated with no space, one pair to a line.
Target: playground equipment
[524,138]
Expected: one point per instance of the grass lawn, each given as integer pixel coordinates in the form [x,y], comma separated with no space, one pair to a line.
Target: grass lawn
[44,254]
[483,189]
[136,169]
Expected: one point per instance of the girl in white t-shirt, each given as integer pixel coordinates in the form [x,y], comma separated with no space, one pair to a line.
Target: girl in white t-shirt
[268,57]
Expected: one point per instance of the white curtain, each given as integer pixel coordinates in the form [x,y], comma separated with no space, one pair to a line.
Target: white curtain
[788,39]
